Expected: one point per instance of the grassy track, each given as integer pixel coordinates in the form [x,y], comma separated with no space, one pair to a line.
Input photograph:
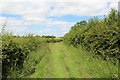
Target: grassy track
[63,61]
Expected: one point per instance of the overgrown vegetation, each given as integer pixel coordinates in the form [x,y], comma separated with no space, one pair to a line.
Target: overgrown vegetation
[102,36]
[64,61]
[21,54]
[15,50]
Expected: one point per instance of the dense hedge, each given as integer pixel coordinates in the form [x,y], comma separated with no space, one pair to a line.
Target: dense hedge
[15,50]
[14,53]
[102,36]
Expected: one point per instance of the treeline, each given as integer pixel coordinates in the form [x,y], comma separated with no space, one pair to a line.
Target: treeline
[15,50]
[102,36]
[49,36]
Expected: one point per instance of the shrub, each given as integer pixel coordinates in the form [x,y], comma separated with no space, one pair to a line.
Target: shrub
[100,36]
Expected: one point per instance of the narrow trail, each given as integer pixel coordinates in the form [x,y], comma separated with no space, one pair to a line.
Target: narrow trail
[62,63]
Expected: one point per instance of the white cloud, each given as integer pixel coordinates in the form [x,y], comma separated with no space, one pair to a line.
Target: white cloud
[59,1]
[38,11]
[45,32]
[42,8]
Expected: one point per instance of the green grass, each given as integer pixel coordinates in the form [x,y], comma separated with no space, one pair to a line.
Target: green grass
[31,62]
[63,61]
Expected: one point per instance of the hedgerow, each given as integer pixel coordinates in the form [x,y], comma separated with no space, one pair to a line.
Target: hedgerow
[16,49]
[102,36]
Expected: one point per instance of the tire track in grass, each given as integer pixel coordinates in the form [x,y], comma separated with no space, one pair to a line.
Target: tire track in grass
[56,66]
[62,63]
[71,59]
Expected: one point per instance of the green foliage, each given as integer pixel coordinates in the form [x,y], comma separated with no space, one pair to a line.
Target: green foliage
[100,36]
[15,50]
[49,36]
[64,61]
[14,53]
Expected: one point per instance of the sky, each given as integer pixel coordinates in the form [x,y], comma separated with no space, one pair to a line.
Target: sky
[50,17]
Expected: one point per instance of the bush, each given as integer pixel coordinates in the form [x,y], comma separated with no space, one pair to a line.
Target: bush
[15,51]
[100,36]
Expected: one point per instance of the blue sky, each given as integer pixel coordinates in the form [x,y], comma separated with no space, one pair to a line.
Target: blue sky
[50,18]
[7,15]
[73,18]
[36,27]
